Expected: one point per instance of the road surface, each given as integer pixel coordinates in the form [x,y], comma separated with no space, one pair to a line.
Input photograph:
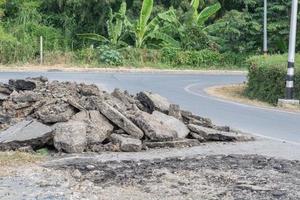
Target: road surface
[188,91]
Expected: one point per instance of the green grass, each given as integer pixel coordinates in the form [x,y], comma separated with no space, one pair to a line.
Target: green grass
[277,60]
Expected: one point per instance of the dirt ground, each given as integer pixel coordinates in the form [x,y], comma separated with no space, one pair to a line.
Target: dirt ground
[196,177]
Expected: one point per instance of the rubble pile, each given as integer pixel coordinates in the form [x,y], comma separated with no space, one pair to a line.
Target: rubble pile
[74,118]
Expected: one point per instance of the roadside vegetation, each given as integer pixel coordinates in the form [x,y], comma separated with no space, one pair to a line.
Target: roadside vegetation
[265,83]
[153,33]
[266,78]
[236,93]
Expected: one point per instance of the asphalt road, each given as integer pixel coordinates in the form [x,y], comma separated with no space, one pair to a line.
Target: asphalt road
[187,90]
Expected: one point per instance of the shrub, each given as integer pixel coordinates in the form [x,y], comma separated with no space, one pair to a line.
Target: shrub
[197,59]
[8,44]
[134,56]
[266,78]
[166,57]
[109,56]
[236,59]
[58,57]
[194,38]
[87,56]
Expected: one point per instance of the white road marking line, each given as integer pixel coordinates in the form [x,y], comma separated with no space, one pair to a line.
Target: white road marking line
[188,90]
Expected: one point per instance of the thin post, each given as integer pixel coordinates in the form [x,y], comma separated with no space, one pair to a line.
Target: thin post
[265,49]
[41,50]
[292,47]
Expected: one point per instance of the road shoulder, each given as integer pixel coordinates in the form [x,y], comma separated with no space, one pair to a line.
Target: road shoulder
[234,93]
[58,68]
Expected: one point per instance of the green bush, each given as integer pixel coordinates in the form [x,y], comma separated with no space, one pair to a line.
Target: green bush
[135,56]
[266,78]
[164,58]
[235,59]
[201,59]
[110,56]
[195,59]
[194,38]
[8,44]
[86,56]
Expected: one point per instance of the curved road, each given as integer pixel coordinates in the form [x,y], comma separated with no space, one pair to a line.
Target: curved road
[188,91]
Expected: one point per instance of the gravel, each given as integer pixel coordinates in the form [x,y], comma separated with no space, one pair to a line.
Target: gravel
[196,177]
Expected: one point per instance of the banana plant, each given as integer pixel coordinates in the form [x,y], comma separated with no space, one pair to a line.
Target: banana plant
[205,14]
[191,18]
[115,28]
[145,29]
[142,26]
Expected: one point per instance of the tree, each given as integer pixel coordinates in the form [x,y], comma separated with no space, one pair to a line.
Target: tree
[2,2]
[239,28]
[144,29]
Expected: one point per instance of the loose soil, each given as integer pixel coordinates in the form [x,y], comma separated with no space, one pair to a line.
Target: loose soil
[198,177]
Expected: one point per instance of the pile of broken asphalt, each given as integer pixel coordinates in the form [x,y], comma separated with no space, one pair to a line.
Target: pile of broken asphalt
[74,118]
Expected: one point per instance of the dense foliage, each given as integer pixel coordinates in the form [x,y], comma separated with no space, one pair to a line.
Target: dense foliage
[104,31]
[241,26]
[266,78]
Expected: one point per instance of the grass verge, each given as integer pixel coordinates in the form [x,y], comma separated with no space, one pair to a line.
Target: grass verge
[236,93]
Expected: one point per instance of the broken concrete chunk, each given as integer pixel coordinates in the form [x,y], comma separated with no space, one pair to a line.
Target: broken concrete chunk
[70,136]
[174,111]
[88,103]
[119,119]
[62,89]
[216,135]
[6,89]
[115,103]
[27,84]
[24,96]
[153,101]
[55,112]
[124,97]
[153,128]
[98,127]
[178,126]
[74,103]
[5,119]
[17,110]
[3,96]
[222,128]
[197,137]
[126,143]
[190,118]
[173,144]
[89,90]
[25,133]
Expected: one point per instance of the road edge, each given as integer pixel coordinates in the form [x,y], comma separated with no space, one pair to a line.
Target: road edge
[258,104]
[117,70]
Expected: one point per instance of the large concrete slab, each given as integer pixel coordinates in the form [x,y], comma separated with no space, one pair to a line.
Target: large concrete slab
[25,133]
